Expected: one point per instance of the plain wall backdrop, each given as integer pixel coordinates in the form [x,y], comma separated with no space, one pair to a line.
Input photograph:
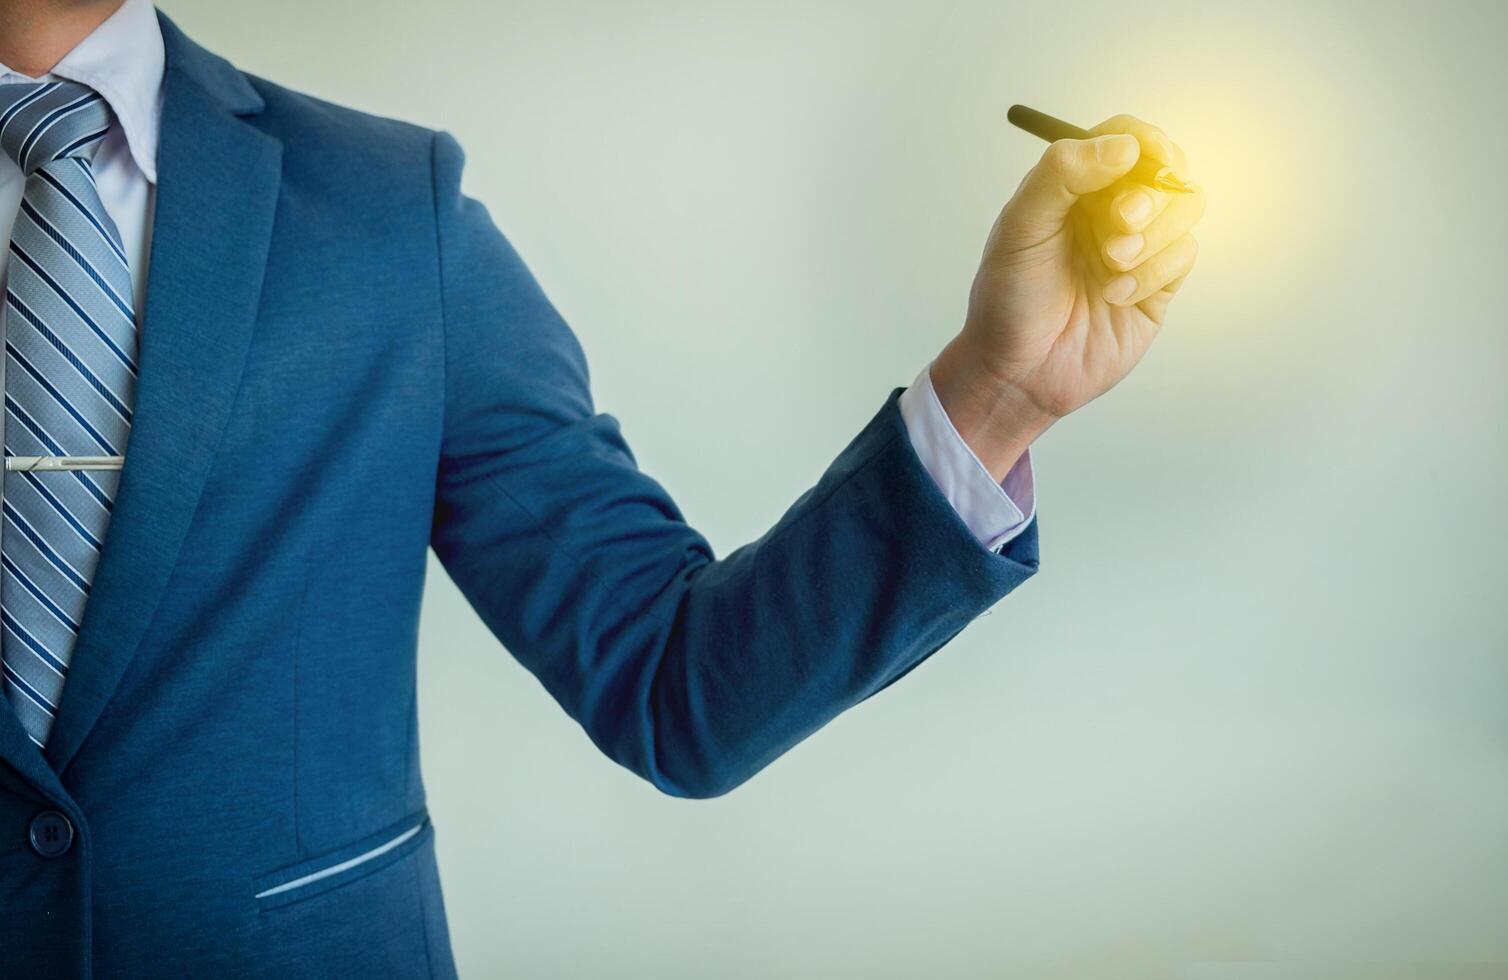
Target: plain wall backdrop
[1251,710]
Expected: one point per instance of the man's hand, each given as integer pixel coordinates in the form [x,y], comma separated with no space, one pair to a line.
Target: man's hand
[1075,280]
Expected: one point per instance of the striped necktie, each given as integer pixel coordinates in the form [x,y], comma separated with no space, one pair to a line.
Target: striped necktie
[70,382]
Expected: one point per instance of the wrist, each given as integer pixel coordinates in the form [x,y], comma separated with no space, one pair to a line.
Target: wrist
[994,416]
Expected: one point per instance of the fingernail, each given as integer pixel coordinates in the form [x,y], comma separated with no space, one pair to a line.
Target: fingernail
[1136,207]
[1124,248]
[1164,148]
[1119,289]
[1116,150]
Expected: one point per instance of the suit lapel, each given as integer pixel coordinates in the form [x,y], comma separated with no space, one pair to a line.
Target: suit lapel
[218,181]
[18,750]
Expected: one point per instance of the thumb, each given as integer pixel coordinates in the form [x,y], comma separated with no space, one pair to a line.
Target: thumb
[1068,170]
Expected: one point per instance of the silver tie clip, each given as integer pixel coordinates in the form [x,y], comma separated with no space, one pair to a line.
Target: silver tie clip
[32,463]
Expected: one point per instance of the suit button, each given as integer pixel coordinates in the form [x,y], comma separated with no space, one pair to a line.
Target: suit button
[51,834]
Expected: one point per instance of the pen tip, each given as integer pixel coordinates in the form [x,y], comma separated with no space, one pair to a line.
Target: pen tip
[1169,181]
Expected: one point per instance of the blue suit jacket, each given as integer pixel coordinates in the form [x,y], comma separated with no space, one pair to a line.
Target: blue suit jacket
[343,365]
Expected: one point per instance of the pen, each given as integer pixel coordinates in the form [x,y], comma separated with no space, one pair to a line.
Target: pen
[1147,170]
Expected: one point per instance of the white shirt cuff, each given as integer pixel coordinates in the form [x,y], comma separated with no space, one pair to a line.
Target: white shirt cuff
[994,512]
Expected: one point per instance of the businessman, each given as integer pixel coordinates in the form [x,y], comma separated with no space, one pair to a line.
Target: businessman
[318,360]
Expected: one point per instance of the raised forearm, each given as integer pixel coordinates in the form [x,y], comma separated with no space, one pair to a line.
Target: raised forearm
[995,417]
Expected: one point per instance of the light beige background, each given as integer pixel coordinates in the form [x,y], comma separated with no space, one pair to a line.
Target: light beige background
[1252,708]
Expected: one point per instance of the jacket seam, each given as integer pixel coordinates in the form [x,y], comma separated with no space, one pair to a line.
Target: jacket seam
[429,960]
[298,655]
[434,186]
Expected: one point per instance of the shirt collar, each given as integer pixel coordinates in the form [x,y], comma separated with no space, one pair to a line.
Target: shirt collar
[123,61]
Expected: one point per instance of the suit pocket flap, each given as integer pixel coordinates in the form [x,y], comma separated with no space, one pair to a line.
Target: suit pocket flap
[344,865]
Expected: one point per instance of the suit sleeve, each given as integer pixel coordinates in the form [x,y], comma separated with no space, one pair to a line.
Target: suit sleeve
[692,671]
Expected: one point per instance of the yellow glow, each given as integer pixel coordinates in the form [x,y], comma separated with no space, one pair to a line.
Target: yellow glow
[1262,123]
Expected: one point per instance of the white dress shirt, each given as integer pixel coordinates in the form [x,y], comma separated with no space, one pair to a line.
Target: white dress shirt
[123,61]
